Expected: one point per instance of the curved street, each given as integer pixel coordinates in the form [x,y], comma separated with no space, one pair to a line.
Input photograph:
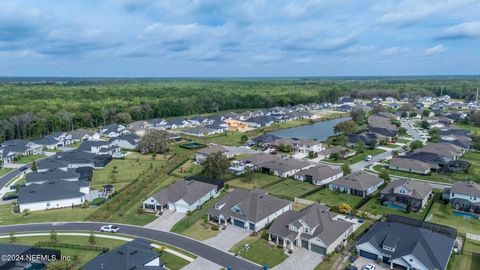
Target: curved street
[195,247]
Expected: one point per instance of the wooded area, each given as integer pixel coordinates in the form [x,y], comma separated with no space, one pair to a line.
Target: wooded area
[31,110]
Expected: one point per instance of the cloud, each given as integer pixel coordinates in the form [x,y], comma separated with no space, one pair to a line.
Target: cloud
[412,11]
[435,50]
[460,31]
[395,50]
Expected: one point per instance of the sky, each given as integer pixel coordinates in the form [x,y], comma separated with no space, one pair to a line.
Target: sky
[239,38]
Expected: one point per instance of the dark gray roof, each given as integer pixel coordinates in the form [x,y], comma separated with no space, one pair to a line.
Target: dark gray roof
[409,163]
[358,180]
[260,158]
[266,138]
[47,140]
[431,248]
[252,205]
[132,255]
[317,217]
[190,191]
[50,191]
[420,190]
[320,172]
[52,174]
[287,164]
[212,149]
[78,134]
[131,138]
[51,163]
[10,249]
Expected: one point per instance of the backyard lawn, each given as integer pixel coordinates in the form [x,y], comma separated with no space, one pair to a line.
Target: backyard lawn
[257,249]
[54,215]
[375,207]
[188,168]
[290,188]
[470,258]
[28,159]
[404,141]
[194,225]
[332,198]
[259,180]
[127,169]
[442,214]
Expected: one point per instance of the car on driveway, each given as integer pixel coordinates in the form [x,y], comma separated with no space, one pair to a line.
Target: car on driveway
[369,267]
[110,228]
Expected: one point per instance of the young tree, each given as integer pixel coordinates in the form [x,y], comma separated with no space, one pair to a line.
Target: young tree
[346,127]
[244,138]
[335,156]
[91,239]
[384,175]
[53,236]
[346,169]
[34,166]
[426,113]
[360,147]
[249,173]
[416,145]
[359,116]
[424,124]
[13,239]
[344,208]
[435,135]
[216,165]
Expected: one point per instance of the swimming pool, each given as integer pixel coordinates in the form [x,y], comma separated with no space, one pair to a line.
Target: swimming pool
[394,206]
[465,214]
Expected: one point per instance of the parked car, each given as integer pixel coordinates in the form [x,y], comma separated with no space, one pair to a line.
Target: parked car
[8,197]
[368,158]
[352,268]
[369,267]
[110,228]
[23,169]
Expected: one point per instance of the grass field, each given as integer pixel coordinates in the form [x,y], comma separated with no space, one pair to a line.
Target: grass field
[442,214]
[473,129]
[128,170]
[65,214]
[470,258]
[4,171]
[405,141]
[194,225]
[28,159]
[259,180]
[473,174]
[188,168]
[258,250]
[332,198]
[290,188]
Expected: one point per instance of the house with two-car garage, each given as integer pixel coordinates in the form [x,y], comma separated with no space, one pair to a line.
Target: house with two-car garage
[250,210]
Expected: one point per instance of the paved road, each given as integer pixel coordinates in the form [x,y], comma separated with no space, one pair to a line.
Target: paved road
[359,166]
[198,248]
[415,134]
[12,174]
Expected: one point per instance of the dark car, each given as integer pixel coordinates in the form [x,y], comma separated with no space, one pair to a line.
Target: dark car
[352,268]
[8,197]
[23,169]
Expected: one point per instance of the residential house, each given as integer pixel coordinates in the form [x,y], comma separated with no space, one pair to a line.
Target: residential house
[370,139]
[136,254]
[201,131]
[319,175]
[409,165]
[127,141]
[236,125]
[138,128]
[408,245]
[406,194]
[251,210]
[256,161]
[314,228]
[260,121]
[182,196]
[177,123]
[265,139]
[202,154]
[157,124]
[464,196]
[12,149]
[343,152]
[358,184]
[113,130]
[300,145]
[286,167]
[81,134]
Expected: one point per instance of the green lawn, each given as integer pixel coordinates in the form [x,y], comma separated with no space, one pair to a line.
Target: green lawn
[194,225]
[473,174]
[188,168]
[375,207]
[470,258]
[83,255]
[290,188]
[442,214]
[259,251]
[362,156]
[65,214]
[473,129]
[332,198]
[127,171]
[258,180]
[390,146]
[4,171]
[405,141]
[28,159]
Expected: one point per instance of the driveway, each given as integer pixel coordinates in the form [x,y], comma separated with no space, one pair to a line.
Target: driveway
[301,259]
[201,263]
[360,262]
[166,221]
[227,238]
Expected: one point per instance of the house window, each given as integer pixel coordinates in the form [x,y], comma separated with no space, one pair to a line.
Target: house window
[48,203]
[453,194]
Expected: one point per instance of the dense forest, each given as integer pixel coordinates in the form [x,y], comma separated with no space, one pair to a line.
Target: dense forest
[29,110]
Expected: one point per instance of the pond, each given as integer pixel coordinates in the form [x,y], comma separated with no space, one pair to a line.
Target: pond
[320,130]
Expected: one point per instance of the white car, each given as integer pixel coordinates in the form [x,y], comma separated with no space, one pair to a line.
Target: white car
[110,228]
[368,158]
[369,267]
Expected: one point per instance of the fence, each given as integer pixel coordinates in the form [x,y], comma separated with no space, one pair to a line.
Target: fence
[71,246]
[303,201]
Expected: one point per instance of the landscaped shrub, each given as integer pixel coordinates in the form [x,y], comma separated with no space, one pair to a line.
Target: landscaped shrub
[98,201]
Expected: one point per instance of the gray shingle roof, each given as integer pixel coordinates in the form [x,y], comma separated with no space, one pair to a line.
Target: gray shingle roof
[409,163]
[320,172]
[432,249]
[50,191]
[52,174]
[420,190]
[358,180]
[466,187]
[190,191]
[285,165]
[260,158]
[132,255]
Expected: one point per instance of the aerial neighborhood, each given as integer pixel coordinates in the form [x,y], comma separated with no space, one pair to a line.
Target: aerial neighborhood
[357,183]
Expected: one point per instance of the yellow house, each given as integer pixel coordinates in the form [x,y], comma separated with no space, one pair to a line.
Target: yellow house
[235,125]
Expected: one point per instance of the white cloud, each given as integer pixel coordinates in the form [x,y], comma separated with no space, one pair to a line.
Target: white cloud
[395,50]
[435,50]
[463,30]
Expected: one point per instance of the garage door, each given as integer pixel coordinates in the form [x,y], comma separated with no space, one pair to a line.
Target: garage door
[239,223]
[318,249]
[368,255]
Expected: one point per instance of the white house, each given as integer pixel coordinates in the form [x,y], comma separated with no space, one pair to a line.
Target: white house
[319,175]
[182,196]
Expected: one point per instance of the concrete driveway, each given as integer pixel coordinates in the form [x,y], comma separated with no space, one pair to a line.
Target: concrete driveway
[201,263]
[166,221]
[227,238]
[301,259]
[360,262]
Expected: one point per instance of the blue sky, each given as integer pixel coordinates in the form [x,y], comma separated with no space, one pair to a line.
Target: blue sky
[231,38]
